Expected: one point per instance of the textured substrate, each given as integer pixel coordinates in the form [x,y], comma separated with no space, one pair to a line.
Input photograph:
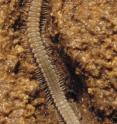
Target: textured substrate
[21,100]
[87,31]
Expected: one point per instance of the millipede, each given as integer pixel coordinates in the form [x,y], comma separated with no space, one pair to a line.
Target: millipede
[51,73]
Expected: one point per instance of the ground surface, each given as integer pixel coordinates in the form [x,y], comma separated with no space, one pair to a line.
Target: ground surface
[21,100]
[87,32]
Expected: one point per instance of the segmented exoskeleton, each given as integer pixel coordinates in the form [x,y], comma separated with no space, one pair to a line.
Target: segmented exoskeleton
[44,61]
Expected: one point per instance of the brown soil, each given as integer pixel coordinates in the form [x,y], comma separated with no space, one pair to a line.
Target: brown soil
[21,99]
[86,33]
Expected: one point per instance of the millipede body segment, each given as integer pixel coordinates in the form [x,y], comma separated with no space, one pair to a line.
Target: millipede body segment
[45,63]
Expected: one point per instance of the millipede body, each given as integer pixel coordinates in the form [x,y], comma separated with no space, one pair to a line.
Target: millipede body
[44,61]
